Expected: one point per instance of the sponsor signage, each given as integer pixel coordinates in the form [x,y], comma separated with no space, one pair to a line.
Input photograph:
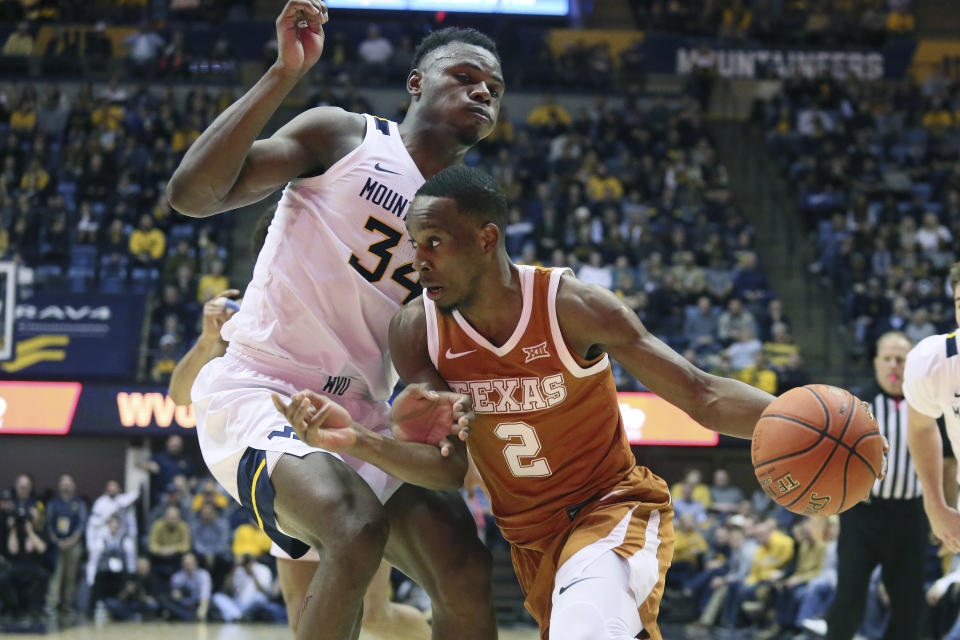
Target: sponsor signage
[674,55]
[649,419]
[70,335]
[59,408]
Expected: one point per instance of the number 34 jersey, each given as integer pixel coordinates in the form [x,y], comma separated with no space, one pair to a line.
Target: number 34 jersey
[334,269]
[548,434]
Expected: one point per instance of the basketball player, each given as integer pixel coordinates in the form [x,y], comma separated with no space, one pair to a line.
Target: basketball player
[591,532]
[316,315]
[931,385]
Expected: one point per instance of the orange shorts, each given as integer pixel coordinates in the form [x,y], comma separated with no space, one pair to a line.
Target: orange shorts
[633,518]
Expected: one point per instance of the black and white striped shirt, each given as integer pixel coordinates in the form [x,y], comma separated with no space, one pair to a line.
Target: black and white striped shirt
[901,481]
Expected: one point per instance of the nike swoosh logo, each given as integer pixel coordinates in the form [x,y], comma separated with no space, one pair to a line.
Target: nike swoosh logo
[562,589]
[453,356]
[379,168]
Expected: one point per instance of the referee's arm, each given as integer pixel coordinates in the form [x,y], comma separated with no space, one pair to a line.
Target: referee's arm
[926,449]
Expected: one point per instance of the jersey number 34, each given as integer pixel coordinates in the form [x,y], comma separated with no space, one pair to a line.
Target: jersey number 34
[382,249]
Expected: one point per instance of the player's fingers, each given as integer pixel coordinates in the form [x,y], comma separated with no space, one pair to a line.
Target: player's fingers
[463,434]
[279,404]
[445,448]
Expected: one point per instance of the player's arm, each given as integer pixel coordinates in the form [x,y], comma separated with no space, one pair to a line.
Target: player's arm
[207,347]
[227,167]
[926,450]
[593,320]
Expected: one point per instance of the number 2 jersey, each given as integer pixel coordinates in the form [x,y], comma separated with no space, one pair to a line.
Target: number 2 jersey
[548,434]
[334,269]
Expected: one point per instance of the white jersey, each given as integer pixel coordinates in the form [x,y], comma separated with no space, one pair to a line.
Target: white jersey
[931,381]
[334,269]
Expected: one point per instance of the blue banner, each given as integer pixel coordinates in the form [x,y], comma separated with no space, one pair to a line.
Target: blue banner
[71,335]
[681,56]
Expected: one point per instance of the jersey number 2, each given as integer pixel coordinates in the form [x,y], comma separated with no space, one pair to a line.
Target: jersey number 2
[382,249]
[518,454]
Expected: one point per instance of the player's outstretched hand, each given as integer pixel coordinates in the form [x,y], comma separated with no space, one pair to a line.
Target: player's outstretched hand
[318,421]
[420,414]
[300,35]
[945,523]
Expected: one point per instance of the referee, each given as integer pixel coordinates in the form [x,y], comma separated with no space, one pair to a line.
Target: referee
[890,527]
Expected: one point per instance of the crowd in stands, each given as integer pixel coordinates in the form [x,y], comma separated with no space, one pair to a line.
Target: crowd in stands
[196,557]
[742,562]
[819,23]
[82,203]
[877,175]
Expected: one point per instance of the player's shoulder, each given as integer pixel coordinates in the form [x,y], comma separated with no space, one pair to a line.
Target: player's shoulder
[410,319]
[932,349]
[321,125]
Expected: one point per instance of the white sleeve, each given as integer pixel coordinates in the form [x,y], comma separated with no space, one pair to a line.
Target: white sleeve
[919,380]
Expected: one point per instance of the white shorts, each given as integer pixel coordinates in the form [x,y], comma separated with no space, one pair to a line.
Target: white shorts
[242,435]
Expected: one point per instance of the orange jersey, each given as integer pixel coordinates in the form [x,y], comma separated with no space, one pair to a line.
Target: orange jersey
[548,434]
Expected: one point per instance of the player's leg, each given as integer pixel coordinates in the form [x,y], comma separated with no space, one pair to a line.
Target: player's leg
[612,572]
[294,577]
[386,620]
[599,604]
[856,559]
[433,539]
[907,540]
[326,504]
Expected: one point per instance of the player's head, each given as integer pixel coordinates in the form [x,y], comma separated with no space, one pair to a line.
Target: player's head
[955,283]
[456,81]
[892,350]
[456,224]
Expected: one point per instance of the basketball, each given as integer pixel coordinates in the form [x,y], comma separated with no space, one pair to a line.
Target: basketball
[817,450]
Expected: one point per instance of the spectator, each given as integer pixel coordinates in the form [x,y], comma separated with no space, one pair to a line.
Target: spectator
[248,594]
[749,283]
[177,494]
[26,545]
[210,494]
[23,119]
[689,550]
[759,374]
[165,360]
[733,321]
[932,236]
[249,539]
[66,519]
[700,327]
[189,592]
[165,465]
[724,497]
[212,283]
[145,46]
[596,272]
[736,20]
[182,255]
[19,43]
[686,504]
[601,186]
[919,326]
[211,541]
[781,347]
[715,592]
[111,502]
[375,49]
[25,503]
[744,350]
[147,243]
[549,116]
[110,561]
[774,550]
[792,375]
[811,556]
[139,597]
[169,540]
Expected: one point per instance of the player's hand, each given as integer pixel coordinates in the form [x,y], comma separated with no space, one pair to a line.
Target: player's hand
[419,414]
[300,35]
[318,421]
[945,523]
[216,314]
[886,450]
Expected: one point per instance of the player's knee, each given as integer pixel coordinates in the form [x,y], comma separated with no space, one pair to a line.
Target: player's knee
[585,621]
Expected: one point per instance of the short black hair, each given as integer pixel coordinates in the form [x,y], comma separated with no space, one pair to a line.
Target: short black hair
[476,193]
[437,39]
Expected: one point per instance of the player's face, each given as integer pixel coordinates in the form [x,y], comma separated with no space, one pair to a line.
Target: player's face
[956,303]
[888,365]
[448,257]
[460,84]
